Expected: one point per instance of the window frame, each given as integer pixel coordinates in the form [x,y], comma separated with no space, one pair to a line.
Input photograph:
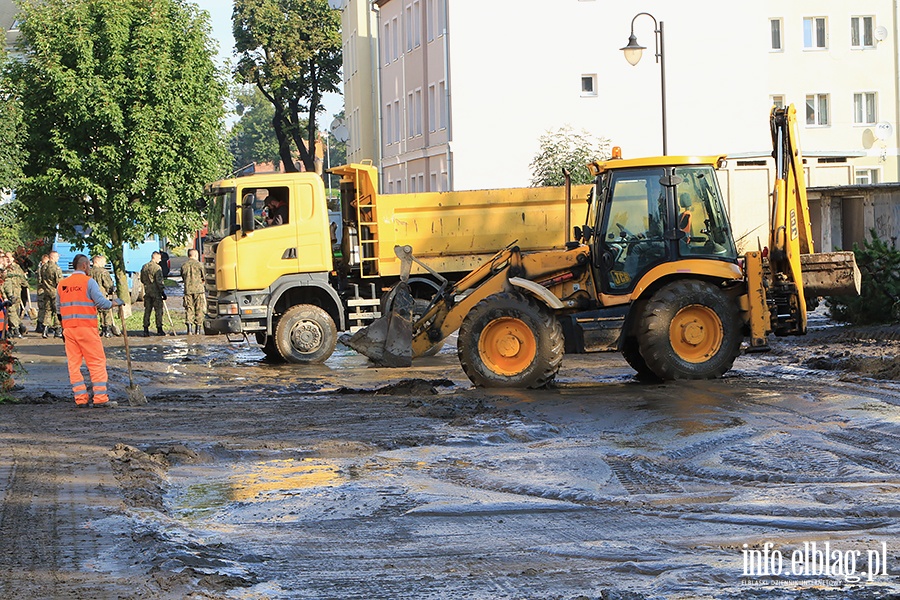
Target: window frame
[813,33]
[817,106]
[873,174]
[780,22]
[592,78]
[861,109]
[861,33]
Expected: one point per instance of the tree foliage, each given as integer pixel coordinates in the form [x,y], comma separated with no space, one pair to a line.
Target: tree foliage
[570,149]
[123,112]
[291,51]
[252,139]
[10,124]
[879,299]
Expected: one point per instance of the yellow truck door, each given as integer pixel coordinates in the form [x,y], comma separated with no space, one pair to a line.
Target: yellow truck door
[299,242]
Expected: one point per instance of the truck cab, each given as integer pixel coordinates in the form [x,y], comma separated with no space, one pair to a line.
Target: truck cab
[258,270]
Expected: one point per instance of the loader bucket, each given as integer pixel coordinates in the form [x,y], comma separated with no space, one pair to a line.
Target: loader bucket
[830,274]
[388,340]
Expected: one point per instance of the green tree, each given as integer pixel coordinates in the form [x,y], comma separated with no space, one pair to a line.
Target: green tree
[10,123]
[123,119]
[252,138]
[879,299]
[570,149]
[291,51]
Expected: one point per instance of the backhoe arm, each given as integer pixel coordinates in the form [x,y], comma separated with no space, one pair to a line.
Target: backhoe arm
[790,235]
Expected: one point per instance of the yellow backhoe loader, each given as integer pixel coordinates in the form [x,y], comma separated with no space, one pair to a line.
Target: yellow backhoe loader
[654,273]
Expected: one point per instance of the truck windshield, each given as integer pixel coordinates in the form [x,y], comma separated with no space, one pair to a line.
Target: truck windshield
[222,215]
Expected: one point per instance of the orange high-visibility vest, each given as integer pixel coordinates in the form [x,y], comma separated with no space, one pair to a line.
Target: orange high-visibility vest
[2,323]
[75,306]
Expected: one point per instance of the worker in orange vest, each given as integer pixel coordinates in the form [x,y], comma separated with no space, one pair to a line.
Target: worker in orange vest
[79,298]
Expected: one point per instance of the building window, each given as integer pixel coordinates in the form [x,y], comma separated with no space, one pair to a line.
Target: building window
[817,109]
[442,100]
[409,28]
[814,33]
[866,176]
[397,120]
[589,85]
[775,27]
[410,116]
[777,101]
[864,112]
[388,124]
[432,108]
[861,29]
[441,17]
[429,19]
[418,118]
[417,23]
[395,38]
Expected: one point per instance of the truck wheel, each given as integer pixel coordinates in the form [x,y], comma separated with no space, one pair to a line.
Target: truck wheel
[419,308]
[689,330]
[267,345]
[632,354]
[305,334]
[507,340]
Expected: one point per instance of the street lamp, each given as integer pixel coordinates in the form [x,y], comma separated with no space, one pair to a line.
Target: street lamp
[633,52]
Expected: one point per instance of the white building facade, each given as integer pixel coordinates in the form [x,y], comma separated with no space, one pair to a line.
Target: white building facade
[467,88]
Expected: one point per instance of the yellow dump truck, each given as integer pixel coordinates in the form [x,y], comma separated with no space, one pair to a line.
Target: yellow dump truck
[293,282]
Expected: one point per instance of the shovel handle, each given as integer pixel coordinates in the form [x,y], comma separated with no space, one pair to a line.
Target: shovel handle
[127,347]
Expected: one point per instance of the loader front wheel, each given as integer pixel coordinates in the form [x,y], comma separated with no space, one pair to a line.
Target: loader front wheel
[632,353]
[689,330]
[508,340]
[305,334]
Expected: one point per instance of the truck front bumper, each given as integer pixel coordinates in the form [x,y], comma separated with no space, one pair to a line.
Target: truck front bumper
[223,325]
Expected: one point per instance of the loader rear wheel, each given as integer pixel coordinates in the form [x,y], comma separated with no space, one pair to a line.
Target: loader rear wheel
[305,334]
[508,340]
[689,330]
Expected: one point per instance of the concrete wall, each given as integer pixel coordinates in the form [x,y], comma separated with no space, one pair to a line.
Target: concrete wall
[846,215]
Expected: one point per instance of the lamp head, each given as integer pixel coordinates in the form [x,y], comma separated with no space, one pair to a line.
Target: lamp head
[633,50]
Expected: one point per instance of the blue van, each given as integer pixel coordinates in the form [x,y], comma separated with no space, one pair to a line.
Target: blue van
[135,258]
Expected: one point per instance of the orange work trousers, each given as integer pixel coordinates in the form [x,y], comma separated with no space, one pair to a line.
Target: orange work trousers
[83,344]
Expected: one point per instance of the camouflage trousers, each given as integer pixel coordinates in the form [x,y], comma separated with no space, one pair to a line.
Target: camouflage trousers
[47,305]
[105,318]
[194,309]
[151,304]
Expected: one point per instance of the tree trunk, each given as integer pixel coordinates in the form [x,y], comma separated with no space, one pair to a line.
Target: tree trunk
[117,260]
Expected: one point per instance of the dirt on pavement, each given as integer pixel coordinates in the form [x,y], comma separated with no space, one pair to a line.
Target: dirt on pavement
[244,479]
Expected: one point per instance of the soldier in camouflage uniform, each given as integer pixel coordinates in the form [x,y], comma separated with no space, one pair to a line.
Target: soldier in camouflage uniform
[14,280]
[39,328]
[50,277]
[194,304]
[154,293]
[105,281]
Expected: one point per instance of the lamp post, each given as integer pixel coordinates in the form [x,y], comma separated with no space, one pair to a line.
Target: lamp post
[633,53]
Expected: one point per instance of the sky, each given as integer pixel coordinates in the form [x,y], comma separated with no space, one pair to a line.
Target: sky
[220,18]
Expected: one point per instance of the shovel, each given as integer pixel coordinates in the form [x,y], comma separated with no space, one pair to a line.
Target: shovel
[168,314]
[135,396]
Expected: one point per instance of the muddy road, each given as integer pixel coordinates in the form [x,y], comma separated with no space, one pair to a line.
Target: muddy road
[242,479]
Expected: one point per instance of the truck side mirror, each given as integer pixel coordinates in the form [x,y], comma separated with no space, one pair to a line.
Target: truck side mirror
[248,222]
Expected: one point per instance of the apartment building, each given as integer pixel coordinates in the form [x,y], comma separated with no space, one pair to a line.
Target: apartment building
[360,72]
[467,88]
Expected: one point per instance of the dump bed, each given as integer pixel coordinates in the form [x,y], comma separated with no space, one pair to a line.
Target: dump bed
[452,232]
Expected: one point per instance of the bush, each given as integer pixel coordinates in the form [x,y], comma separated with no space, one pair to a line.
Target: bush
[879,301]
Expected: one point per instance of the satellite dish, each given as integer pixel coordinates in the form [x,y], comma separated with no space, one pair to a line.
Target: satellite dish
[339,131]
[881,33]
[883,130]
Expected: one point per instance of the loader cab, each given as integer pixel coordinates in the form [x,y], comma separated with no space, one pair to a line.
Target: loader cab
[649,212]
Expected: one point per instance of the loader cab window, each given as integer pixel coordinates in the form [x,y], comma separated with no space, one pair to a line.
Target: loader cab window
[701,219]
[632,240]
